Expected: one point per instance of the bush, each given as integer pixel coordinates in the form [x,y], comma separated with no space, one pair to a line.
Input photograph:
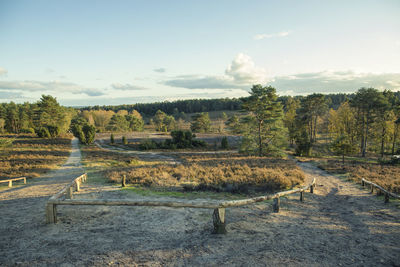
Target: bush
[224,143]
[54,130]
[124,140]
[89,132]
[148,144]
[43,132]
[112,139]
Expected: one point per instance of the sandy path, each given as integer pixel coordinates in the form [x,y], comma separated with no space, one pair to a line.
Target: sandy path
[339,225]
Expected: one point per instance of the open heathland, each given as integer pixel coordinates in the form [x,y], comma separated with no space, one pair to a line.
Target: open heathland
[217,172]
[30,156]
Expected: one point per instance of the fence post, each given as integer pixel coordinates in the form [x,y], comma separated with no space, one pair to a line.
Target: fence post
[386,198]
[77,183]
[24,180]
[275,206]
[51,213]
[69,193]
[219,221]
[302,196]
[10,183]
[372,189]
[312,189]
[124,181]
[362,182]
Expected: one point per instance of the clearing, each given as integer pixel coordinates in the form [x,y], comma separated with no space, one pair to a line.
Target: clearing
[341,224]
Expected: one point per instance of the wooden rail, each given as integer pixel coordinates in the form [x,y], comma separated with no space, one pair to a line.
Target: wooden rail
[218,207]
[10,181]
[51,207]
[380,188]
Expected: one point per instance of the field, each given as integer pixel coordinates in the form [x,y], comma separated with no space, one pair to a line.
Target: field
[31,156]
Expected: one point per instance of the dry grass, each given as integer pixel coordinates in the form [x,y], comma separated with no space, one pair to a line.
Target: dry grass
[217,172]
[31,156]
[387,176]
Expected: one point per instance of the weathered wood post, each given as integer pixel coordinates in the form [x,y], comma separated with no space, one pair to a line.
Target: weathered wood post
[302,196]
[276,204]
[312,189]
[219,221]
[10,183]
[372,189]
[24,180]
[69,193]
[124,180]
[77,183]
[51,213]
[362,182]
[386,198]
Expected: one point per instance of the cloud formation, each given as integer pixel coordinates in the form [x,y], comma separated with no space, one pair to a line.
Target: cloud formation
[335,82]
[160,70]
[3,71]
[126,87]
[262,36]
[241,73]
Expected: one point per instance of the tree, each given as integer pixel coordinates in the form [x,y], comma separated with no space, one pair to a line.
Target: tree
[265,114]
[118,123]
[163,122]
[49,112]
[290,118]
[234,124]
[201,123]
[224,143]
[343,146]
[312,107]
[90,132]
[343,123]
[367,102]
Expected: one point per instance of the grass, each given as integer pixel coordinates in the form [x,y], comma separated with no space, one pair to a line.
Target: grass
[30,156]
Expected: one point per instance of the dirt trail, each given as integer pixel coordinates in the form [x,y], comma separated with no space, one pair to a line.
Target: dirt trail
[340,224]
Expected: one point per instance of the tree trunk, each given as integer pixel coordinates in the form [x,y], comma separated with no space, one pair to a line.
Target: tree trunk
[383,142]
[394,138]
[259,139]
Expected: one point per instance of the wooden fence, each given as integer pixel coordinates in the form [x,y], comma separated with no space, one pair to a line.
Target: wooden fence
[10,181]
[379,189]
[51,207]
[218,207]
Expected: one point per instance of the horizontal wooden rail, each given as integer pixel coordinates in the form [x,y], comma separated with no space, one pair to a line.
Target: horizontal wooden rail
[219,207]
[383,190]
[10,181]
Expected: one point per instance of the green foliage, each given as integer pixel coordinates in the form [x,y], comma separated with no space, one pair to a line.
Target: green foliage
[135,123]
[118,123]
[180,139]
[263,128]
[234,125]
[224,143]
[201,123]
[124,141]
[303,143]
[89,132]
[148,144]
[112,141]
[43,132]
[163,122]
[53,130]
[343,146]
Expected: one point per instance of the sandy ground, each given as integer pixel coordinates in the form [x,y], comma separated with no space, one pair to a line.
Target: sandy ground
[340,224]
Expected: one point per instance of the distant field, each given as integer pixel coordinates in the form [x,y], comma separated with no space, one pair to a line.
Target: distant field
[31,156]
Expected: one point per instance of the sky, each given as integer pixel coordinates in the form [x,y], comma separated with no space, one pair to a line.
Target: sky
[125,52]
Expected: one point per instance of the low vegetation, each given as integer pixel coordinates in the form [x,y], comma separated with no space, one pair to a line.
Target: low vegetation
[26,155]
[387,176]
[217,172]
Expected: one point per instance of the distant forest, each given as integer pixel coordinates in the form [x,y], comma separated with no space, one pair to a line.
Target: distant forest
[208,105]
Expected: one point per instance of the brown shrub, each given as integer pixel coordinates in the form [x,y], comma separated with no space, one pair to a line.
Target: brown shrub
[235,173]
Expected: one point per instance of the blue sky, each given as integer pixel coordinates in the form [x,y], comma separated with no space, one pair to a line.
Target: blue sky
[123,52]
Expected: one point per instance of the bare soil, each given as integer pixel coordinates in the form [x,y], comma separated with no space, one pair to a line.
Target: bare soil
[341,224]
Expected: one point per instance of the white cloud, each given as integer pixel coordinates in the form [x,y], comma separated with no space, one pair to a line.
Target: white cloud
[53,86]
[241,73]
[160,70]
[335,82]
[127,87]
[3,71]
[262,36]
